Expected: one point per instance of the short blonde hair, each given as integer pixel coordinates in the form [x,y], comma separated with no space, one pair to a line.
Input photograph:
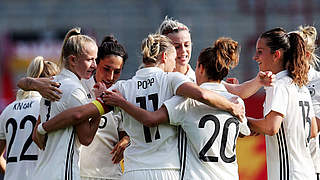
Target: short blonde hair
[169,25]
[154,45]
[73,44]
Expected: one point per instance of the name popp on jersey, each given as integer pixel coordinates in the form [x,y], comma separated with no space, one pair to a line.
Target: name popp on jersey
[145,84]
[18,106]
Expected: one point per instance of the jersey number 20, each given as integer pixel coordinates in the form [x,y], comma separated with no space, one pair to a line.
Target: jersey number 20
[224,139]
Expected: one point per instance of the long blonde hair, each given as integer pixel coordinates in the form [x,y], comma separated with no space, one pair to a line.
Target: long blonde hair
[309,35]
[36,69]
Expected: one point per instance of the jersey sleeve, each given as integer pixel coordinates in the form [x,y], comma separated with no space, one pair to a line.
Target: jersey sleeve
[275,97]
[176,79]
[177,108]
[243,126]
[2,124]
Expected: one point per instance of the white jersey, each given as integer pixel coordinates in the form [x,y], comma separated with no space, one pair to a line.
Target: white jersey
[288,155]
[314,89]
[95,159]
[151,148]
[60,158]
[16,125]
[211,136]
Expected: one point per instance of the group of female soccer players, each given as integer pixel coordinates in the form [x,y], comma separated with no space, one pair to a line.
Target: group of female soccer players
[168,121]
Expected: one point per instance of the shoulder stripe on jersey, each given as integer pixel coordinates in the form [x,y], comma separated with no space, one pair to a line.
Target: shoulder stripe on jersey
[283,154]
[69,159]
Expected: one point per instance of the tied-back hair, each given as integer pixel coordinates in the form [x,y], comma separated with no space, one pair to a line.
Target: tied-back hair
[169,25]
[309,35]
[38,68]
[110,46]
[218,59]
[73,44]
[153,46]
[294,53]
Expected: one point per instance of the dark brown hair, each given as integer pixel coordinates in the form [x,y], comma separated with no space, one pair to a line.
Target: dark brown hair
[220,58]
[294,53]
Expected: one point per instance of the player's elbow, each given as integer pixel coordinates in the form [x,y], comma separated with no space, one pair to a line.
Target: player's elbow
[153,119]
[152,123]
[201,96]
[76,117]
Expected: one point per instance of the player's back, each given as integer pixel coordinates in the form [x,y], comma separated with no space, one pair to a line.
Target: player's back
[61,155]
[16,125]
[288,155]
[211,137]
[156,147]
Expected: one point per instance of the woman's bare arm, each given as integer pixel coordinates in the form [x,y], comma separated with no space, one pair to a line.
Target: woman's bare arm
[45,86]
[250,87]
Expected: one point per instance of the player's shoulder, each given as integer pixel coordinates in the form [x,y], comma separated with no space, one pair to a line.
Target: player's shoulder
[175,75]
[122,84]
[283,81]
[30,104]
[70,86]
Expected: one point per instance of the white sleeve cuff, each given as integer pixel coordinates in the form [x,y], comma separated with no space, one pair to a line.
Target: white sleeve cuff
[41,130]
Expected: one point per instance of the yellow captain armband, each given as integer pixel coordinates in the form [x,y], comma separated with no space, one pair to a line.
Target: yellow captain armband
[99,107]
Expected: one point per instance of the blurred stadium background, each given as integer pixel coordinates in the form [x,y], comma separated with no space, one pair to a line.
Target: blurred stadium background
[37,27]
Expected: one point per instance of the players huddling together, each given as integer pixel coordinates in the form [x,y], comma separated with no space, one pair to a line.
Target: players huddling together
[77,120]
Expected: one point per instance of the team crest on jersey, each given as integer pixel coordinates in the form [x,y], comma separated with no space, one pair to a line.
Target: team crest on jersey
[312,90]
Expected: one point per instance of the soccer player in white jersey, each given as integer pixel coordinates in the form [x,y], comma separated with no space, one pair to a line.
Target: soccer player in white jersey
[159,52]
[211,133]
[314,89]
[60,155]
[309,35]
[148,89]
[100,160]
[181,38]
[17,122]
[289,121]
